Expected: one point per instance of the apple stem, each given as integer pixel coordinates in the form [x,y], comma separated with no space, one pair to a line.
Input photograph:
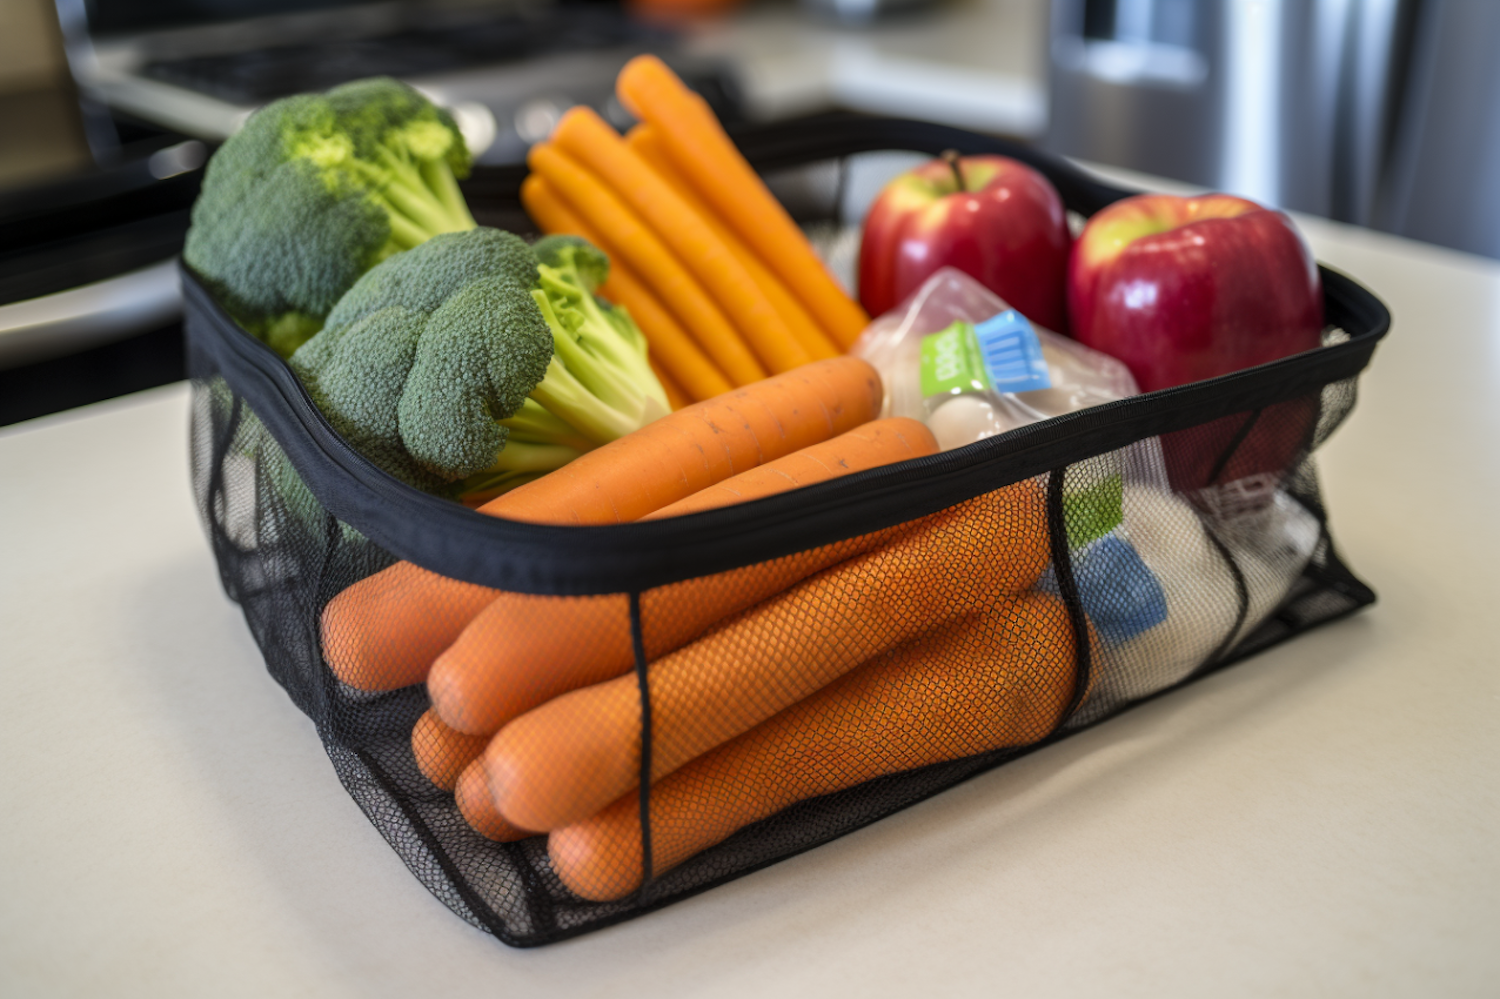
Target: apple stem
[950,157]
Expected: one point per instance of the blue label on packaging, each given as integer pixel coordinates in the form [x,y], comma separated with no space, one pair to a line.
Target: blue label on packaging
[1012,354]
[1119,593]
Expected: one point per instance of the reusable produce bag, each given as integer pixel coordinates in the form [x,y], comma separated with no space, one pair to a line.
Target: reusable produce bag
[787,670]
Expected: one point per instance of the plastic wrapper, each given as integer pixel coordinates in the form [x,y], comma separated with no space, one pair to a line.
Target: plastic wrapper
[935,371]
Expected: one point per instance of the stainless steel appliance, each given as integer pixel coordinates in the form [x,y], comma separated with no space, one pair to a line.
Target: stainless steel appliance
[1384,113]
[1284,101]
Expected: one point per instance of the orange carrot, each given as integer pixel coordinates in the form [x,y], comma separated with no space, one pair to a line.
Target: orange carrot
[696,447]
[647,141]
[523,650]
[999,678]
[478,808]
[671,346]
[653,93]
[675,394]
[441,752]
[384,631]
[596,146]
[626,234]
[572,756]
[879,442]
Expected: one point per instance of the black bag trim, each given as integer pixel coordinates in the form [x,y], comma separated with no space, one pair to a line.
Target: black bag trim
[449,539]
[446,538]
[795,143]
[643,778]
[1067,589]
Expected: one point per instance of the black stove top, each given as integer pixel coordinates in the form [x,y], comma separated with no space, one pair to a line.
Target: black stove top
[255,77]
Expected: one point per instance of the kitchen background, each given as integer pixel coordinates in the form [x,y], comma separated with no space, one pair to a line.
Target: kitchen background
[1381,113]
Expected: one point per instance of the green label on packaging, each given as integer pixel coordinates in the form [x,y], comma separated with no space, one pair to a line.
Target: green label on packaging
[1095,511]
[951,363]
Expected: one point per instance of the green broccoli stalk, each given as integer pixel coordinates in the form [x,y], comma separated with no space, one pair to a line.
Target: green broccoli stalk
[605,346]
[314,191]
[465,368]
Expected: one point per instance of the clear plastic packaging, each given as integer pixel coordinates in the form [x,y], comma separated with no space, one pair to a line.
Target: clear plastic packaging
[959,398]
[1169,582]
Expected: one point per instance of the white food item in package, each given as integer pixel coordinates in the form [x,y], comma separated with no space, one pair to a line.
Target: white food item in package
[1160,577]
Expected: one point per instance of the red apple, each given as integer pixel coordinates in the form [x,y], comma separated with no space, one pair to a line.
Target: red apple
[992,217]
[1182,289]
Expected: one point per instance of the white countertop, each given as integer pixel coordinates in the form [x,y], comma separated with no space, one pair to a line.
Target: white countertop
[1323,819]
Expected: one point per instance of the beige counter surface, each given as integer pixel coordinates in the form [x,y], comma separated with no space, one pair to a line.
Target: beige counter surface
[1321,820]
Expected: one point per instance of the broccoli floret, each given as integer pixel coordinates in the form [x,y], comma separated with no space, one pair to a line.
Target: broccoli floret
[314,191]
[599,342]
[464,368]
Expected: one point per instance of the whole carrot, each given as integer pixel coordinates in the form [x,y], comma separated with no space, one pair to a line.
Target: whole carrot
[577,753]
[477,807]
[591,140]
[671,346]
[522,650]
[676,394]
[653,93]
[441,752]
[384,631]
[646,141]
[625,233]
[696,447]
[997,678]
[879,442]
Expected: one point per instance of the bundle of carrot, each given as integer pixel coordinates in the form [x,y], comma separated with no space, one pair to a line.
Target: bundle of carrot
[536,717]
[885,662]
[566,759]
[807,426]
[522,651]
[724,285]
[996,678]
[535,724]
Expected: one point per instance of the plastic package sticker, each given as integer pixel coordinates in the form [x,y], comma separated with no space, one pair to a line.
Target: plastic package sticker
[1012,354]
[951,362]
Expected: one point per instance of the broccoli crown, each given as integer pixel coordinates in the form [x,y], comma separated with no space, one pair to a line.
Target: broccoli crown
[314,191]
[424,356]
[465,361]
[587,262]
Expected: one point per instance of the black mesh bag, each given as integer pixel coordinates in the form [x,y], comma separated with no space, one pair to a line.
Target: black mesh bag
[686,700]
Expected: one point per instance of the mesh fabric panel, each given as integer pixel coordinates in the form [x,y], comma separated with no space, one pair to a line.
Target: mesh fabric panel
[895,634]
[792,700]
